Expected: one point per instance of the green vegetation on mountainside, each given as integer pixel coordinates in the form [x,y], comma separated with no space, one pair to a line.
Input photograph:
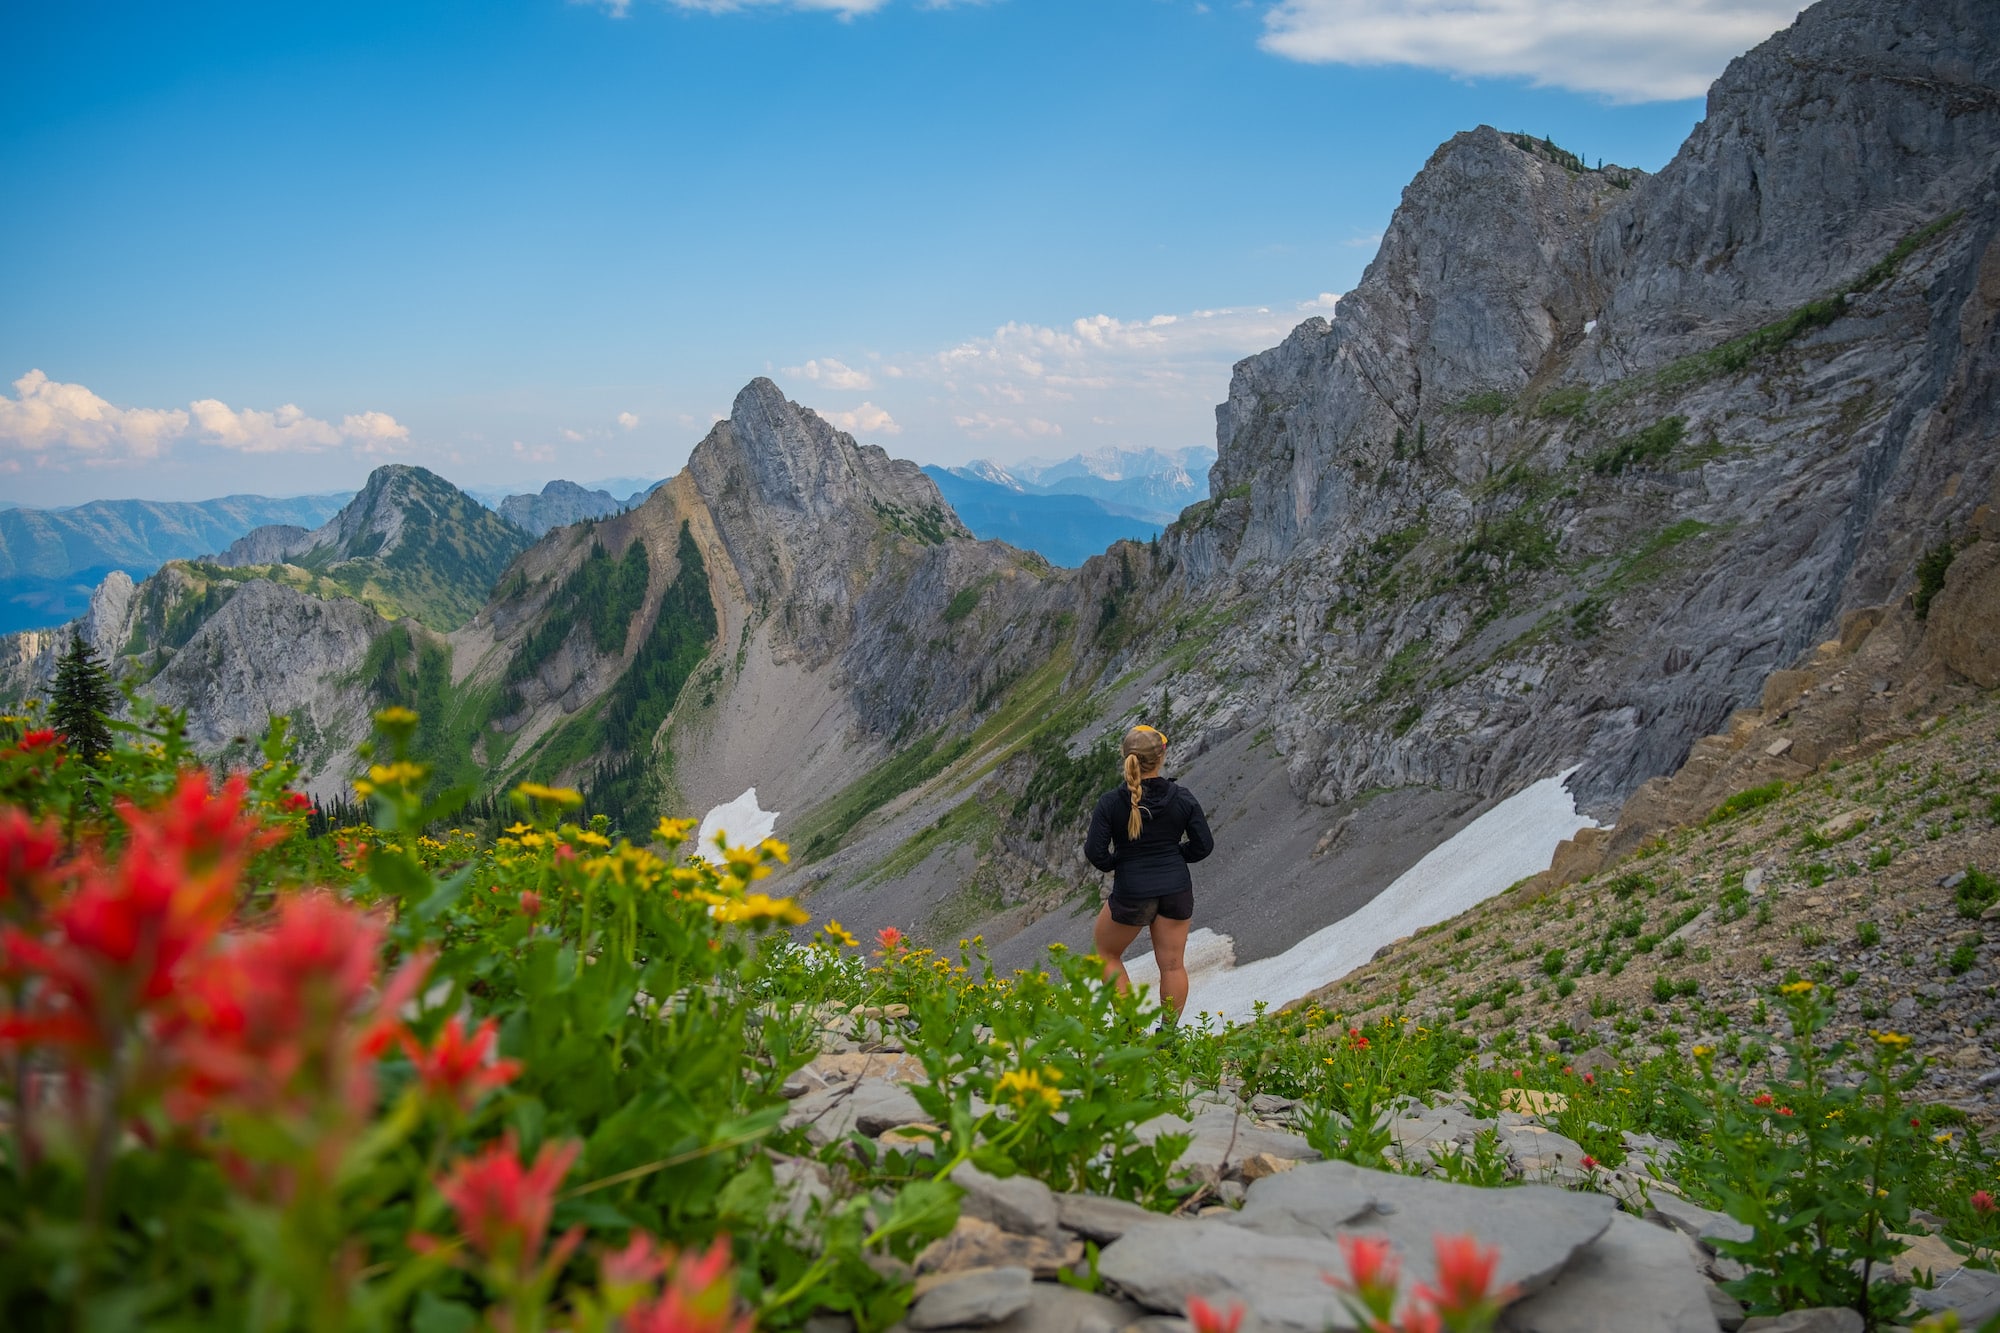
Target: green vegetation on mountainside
[447,553]
[603,594]
[614,736]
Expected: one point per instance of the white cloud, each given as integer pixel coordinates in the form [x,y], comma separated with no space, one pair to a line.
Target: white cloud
[375,432]
[628,421]
[832,374]
[573,436]
[985,423]
[1629,51]
[57,424]
[50,416]
[866,419]
[290,430]
[1094,382]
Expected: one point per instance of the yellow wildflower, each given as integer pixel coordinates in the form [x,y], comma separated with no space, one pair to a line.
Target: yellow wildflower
[567,797]
[840,934]
[674,831]
[1795,988]
[517,828]
[1893,1040]
[760,909]
[1703,1052]
[591,838]
[395,715]
[1025,1086]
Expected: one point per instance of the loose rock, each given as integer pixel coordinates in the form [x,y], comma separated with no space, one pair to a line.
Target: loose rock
[973,1299]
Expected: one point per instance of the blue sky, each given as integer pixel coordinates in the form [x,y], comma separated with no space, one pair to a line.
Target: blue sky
[265,247]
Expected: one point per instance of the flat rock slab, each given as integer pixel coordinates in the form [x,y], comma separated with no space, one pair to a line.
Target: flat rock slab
[1636,1278]
[1973,1292]
[1535,1228]
[974,1299]
[1095,1217]
[870,1106]
[1281,1280]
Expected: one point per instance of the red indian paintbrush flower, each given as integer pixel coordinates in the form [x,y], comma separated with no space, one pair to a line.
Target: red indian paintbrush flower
[1982,1202]
[699,1296]
[1207,1318]
[890,938]
[504,1206]
[28,853]
[457,1068]
[1373,1272]
[1463,1297]
[286,1018]
[124,930]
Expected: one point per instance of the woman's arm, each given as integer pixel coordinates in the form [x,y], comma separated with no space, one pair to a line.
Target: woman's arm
[1200,842]
[1097,848]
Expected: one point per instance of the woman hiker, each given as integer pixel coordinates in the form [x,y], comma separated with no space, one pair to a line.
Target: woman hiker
[1146,833]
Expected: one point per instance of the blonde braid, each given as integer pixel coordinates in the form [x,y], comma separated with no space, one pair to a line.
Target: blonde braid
[1132,782]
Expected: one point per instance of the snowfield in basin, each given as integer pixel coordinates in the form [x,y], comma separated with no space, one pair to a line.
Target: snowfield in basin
[1508,843]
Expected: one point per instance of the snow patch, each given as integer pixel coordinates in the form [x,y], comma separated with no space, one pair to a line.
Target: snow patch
[1508,843]
[742,820]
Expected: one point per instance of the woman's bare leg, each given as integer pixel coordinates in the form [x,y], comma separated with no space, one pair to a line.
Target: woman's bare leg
[1170,952]
[1111,940]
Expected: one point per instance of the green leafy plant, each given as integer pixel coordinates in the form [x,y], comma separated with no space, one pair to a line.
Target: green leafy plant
[1818,1167]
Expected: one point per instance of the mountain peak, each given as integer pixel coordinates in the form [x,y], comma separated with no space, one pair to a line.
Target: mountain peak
[783,457]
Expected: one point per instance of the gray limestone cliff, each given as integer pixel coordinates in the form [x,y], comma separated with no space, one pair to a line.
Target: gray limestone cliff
[1587,453]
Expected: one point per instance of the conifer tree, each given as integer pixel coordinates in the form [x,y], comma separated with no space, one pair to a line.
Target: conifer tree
[82,700]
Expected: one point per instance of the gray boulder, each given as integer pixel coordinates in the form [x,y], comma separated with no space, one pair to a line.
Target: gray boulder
[976,1298]
[1095,1217]
[1020,1204]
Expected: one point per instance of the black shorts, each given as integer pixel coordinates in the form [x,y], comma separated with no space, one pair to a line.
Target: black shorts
[1141,911]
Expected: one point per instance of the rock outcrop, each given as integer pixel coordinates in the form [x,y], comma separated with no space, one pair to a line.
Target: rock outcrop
[1587,454]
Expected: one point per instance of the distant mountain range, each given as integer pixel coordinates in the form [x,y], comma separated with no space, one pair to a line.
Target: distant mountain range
[1153,484]
[50,559]
[1063,529]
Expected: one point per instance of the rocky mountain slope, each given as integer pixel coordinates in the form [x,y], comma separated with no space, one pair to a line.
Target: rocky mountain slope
[1845,829]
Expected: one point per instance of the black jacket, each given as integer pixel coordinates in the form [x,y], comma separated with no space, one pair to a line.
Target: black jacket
[1155,863]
